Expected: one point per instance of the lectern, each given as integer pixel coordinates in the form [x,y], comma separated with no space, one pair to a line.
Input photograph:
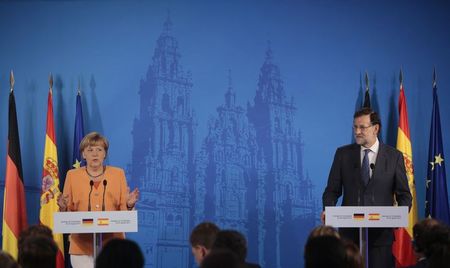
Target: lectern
[95,222]
[364,218]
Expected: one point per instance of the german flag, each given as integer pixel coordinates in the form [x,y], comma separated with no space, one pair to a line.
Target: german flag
[358,216]
[88,222]
[14,210]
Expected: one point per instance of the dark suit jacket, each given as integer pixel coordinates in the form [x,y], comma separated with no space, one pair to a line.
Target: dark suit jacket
[388,178]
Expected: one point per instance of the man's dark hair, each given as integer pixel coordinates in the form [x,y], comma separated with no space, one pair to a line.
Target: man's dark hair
[7,261]
[352,254]
[118,253]
[33,231]
[38,252]
[374,117]
[325,251]
[221,258]
[421,232]
[432,238]
[232,240]
[204,234]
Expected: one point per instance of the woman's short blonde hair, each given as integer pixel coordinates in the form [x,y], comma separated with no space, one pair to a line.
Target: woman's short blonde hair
[94,139]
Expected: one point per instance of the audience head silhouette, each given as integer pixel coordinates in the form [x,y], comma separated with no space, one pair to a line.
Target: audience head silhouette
[202,239]
[37,252]
[118,253]
[221,258]
[324,251]
[7,261]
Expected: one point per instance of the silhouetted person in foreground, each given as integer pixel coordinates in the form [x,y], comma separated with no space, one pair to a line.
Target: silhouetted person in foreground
[324,230]
[37,252]
[202,239]
[7,261]
[118,253]
[33,231]
[236,242]
[432,244]
[324,252]
[352,255]
[221,258]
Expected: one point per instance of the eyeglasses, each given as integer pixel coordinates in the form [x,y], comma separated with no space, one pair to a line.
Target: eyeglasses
[362,128]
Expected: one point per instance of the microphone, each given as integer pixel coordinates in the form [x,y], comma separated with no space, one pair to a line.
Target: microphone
[91,183]
[105,182]
[372,166]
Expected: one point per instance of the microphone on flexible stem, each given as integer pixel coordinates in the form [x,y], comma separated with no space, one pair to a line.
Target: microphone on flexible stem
[91,183]
[105,182]
[372,167]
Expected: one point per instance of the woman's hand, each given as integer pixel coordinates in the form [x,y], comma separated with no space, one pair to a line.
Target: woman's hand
[63,200]
[132,198]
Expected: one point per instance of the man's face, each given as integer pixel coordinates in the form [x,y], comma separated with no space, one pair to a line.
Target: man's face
[365,133]
[199,253]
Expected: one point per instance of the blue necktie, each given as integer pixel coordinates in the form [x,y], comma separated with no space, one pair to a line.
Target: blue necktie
[365,169]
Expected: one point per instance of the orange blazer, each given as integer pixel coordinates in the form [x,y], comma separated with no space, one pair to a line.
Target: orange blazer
[77,187]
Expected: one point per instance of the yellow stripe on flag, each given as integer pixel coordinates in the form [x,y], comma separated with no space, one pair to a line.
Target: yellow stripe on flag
[402,247]
[9,240]
[404,146]
[50,178]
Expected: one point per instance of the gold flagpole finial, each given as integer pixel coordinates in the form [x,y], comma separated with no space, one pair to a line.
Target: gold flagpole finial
[50,80]
[434,76]
[366,78]
[11,80]
[401,76]
[79,86]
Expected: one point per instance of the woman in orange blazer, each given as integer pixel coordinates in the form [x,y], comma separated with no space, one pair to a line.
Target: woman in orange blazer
[83,191]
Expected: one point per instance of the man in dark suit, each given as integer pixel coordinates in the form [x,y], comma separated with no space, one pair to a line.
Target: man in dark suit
[369,173]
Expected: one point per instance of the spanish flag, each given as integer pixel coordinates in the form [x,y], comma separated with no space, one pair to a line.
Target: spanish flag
[14,206]
[103,221]
[402,247]
[50,180]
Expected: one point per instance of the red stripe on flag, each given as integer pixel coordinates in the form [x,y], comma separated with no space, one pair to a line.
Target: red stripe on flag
[14,209]
[403,112]
[50,124]
[60,259]
[404,253]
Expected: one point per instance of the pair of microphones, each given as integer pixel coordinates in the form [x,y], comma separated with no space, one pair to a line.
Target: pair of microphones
[91,183]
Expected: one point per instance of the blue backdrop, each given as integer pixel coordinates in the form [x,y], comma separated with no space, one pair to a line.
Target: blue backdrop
[229,112]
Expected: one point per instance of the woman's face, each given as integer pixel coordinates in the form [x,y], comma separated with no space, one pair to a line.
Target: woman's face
[94,156]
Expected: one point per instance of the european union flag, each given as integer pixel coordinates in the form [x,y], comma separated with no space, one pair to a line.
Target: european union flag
[78,135]
[436,204]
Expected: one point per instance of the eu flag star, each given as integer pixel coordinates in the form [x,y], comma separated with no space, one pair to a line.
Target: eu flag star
[438,159]
[77,164]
